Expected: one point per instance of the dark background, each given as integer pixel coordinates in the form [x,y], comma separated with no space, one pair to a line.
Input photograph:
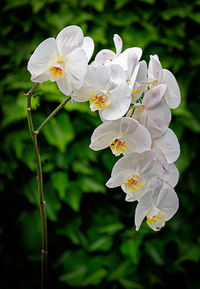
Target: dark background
[92,237]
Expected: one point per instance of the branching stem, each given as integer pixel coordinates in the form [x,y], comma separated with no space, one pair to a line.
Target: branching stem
[34,134]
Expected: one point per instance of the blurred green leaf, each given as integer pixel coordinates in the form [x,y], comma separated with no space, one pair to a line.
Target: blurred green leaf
[90,185]
[60,183]
[59,131]
[131,249]
[74,196]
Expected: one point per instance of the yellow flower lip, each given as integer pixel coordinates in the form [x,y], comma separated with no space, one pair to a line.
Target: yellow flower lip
[132,184]
[118,146]
[55,72]
[56,68]
[98,101]
[156,222]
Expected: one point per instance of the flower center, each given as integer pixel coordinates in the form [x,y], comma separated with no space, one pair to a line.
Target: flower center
[99,101]
[134,92]
[156,222]
[56,68]
[118,146]
[132,185]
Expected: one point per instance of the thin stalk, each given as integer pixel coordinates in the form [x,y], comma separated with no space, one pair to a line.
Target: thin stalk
[52,115]
[44,250]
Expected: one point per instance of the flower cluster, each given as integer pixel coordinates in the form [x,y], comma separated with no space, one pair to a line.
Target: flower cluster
[134,102]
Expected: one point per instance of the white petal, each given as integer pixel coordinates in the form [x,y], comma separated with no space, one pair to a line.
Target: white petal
[98,76]
[117,75]
[135,50]
[123,168]
[84,93]
[64,86]
[154,185]
[39,62]
[158,119]
[120,101]
[169,145]
[149,166]
[88,46]
[138,138]
[104,135]
[128,125]
[171,175]
[69,38]
[118,43]
[172,94]
[122,59]
[160,156]
[155,68]
[140,81]
[167,201]
[140,114]
[143,206]
[153,96]
[103,56]
[76,68]
[132,68]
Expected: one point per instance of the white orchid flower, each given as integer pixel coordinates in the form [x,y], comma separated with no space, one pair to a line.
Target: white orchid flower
[64,59]
[107,56]
[168,145]
[159,203]
[157,75]
[106,91]
[123,136]
[153,112]
[133,171]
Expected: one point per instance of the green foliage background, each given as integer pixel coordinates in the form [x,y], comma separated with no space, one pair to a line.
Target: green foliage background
[92,238]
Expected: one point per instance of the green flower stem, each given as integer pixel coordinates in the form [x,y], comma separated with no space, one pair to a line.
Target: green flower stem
[44,250]
[52,114]
[34,134]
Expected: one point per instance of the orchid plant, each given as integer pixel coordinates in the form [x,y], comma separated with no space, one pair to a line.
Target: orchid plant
[134,101]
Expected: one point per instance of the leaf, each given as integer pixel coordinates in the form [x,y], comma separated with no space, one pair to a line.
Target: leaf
[53,204]
[14,110]
[31,231]
[155,249]
[90,185]
[73,231]
[60,183]
[74,196]
[130,284]
[131,249]
[95,278]
[103,243]
[119,271]
[59,132]
[75,277]
[111,228]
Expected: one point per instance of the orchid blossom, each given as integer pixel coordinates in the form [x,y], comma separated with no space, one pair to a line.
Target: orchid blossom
[64,59]
[123,136]
[106,91]
[153,112]
[157,75]
[133,171]
[159,203]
